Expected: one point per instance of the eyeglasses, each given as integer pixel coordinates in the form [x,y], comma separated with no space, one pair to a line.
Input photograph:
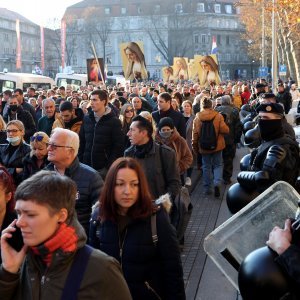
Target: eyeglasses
[37,138]
[54,147]
[12,130]
[129,110]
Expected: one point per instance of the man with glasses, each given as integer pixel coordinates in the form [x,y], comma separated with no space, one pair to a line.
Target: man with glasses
[101,135]
[62,154]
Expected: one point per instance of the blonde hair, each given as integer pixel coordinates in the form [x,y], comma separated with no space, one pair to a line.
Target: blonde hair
[2,123]
[35,143]
[19,125]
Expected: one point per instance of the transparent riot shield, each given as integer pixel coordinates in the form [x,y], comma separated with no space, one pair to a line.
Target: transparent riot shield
[249,229]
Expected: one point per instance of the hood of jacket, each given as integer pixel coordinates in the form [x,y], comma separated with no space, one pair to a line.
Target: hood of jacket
[207,114]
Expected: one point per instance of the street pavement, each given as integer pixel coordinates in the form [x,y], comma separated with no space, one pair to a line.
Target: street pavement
[203,280]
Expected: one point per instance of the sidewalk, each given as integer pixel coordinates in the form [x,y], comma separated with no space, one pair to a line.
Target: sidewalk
[203,280]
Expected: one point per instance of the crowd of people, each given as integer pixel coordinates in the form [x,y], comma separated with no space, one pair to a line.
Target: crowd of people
[123,148]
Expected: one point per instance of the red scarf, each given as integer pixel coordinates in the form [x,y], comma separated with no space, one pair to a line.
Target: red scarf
[65,238]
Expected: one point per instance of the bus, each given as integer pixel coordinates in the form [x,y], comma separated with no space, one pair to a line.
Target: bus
[116,79]
[75,81]
[12,81]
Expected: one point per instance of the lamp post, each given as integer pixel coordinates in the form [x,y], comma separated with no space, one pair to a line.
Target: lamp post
[274,49]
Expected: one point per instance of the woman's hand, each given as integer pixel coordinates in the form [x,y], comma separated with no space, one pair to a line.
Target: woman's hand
[11,259]
[280,239]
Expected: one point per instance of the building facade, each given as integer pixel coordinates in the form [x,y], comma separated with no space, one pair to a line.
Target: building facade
[167,29]
[30,36]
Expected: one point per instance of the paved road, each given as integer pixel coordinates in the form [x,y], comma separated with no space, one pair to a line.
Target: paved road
[203,279]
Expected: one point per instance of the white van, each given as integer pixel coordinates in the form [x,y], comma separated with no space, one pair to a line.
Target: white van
[12,81]
[71,79]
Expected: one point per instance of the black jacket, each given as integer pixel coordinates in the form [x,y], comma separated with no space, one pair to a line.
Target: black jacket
[161,169]
[15,160]
[89,184]
[101,143]
[31,167]
[26,118]
[147,268]
[285,98]
[176,116]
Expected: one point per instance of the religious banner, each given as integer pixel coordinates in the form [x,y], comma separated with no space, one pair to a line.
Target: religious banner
[208,71]
[180,67]
[93,72]
[133,61]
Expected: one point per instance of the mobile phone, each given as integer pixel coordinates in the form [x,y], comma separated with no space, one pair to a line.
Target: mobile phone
[16,241]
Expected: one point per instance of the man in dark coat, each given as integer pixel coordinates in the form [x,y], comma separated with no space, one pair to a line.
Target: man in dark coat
[62,154]
[26,106]
[284,97]
[232,119]
[45,123]
[165,109]
[158,162]
[101,135]
[15,111]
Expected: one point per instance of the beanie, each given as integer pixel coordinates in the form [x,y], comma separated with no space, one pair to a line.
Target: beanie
[165,122]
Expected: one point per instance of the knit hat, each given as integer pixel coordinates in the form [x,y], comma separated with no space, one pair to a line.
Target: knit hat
[165,122]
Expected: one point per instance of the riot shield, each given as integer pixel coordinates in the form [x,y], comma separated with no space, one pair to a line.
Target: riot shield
[249,229]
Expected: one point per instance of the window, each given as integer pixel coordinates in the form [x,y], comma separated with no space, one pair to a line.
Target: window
[156,8]
[203,38]
[139,10]
[6,36]
[227,40]
[178,8]
[217,8]
[238,10]
[227,56]
[108,59]
[123,10]
[74,61]
[219,40]
[200,7]
[107,10]
[196,39]
[228,9]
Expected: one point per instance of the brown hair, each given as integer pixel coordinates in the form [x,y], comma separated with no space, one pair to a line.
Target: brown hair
[108,206]
[49,189]
[7,184]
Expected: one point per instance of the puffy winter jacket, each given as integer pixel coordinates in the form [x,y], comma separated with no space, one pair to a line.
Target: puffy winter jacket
[102,142]
[89,184]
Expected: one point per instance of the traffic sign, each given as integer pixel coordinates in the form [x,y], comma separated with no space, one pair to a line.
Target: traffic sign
[282,70]
[263,71]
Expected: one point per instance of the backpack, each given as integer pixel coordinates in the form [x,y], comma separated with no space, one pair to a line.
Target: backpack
[182,207]
[208,137]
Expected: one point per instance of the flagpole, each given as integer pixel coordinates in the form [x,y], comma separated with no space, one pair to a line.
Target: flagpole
[98,65]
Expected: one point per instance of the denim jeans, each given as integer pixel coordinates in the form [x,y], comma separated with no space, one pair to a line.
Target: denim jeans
[212,162]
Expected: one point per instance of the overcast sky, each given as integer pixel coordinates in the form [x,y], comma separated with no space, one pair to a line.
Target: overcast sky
[38,11]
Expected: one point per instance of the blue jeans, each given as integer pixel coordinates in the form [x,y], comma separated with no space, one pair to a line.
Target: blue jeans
[212,162]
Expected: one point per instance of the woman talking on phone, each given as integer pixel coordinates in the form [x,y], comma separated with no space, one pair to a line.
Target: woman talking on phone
[54,262]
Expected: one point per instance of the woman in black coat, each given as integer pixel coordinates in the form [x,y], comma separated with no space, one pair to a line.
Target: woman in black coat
[36,160]
[138,234]
[12,154]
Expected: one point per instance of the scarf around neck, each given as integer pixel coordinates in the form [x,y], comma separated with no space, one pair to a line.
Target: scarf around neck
[65,239]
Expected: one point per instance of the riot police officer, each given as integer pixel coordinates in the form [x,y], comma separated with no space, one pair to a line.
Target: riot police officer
[277,158]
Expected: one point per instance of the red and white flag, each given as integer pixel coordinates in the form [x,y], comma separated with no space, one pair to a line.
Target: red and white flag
[63,42]
[42,49]
[18,54]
